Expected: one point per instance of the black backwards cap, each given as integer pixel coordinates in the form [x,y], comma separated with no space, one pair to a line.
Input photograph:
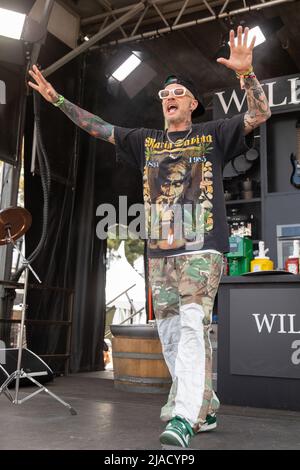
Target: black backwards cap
[187,83]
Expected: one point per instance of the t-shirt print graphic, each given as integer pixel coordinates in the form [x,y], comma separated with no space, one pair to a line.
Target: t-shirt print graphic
[178,193]
[199,179]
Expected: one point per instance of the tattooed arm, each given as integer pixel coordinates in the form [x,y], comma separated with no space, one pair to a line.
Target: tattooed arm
[240,61]
[94,125]
[258,106]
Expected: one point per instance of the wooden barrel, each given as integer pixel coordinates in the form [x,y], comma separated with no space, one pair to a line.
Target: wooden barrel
[138,361]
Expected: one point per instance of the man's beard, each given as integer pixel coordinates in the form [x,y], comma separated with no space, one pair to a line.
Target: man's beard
[176,120]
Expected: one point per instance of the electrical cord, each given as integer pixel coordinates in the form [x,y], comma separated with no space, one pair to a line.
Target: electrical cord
[45,174]
[45,178]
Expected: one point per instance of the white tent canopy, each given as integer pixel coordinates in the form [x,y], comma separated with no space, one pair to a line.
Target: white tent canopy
[119,277]
[139,266]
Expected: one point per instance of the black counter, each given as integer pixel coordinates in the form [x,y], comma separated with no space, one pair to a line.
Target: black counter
[261,278]
[259,341]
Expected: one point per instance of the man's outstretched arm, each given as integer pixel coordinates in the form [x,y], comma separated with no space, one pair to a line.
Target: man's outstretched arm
[240,61]
[92,124]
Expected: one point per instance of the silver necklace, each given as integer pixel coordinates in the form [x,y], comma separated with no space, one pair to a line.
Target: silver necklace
[179,142]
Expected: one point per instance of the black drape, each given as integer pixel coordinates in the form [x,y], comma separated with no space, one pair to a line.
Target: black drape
[72,261]
[73,257]
[89,270]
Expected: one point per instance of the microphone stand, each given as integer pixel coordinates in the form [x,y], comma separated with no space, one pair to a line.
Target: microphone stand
[19,373]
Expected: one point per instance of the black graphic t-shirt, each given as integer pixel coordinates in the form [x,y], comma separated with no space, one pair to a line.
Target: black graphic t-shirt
[182,179]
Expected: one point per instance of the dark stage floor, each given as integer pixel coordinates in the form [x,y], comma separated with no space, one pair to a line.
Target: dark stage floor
[109,419]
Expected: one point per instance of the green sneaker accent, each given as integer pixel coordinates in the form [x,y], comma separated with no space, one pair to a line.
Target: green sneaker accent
[209,424]
[178,432]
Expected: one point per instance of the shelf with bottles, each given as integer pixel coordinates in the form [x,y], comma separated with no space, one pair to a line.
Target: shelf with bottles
[245,220]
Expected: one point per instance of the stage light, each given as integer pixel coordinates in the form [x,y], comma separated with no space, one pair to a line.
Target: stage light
[256,31]
[126,68]
[11,23]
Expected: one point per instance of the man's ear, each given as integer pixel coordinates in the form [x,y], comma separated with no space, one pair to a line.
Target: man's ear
[194,105]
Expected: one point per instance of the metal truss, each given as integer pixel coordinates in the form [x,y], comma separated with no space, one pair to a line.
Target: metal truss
[169,15]
[154,12]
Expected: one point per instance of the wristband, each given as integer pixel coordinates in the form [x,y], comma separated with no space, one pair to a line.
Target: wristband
[60,101]
[247,74]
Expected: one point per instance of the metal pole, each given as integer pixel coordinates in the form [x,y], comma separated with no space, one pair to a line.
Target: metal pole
[20,346]
[161,15]
[110,10]
[33,151]
[224,6]
[209,8]
[101,34]
[119,295]
[124,321]
[97,18]
[181,12]
[139,21]
[24,307]
[131,316]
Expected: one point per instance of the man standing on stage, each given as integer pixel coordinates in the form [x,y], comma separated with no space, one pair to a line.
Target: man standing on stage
[184,202]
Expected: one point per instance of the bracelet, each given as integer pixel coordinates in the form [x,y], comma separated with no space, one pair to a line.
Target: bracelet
[60,101]
[247,74]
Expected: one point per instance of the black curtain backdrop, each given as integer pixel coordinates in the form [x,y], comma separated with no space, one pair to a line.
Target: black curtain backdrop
[85,174]
[73,259]
[87,268]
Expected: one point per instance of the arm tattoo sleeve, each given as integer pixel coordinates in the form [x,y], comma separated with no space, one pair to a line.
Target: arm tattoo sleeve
[258,106]
[92,124]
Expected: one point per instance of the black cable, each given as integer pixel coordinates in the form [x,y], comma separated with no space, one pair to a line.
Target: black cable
[45,180]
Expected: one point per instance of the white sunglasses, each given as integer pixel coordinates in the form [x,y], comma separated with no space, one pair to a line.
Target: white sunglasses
[173,91]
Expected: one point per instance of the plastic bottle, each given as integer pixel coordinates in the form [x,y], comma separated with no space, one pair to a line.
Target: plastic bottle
[225,266]
[261,262]
[292,262]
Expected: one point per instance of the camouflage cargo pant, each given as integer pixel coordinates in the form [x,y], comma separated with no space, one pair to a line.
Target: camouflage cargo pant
[184,289]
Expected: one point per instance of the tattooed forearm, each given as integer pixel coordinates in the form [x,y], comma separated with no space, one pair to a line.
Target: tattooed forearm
[92,124]
[258,106]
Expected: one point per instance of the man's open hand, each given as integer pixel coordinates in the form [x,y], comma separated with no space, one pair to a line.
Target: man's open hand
[42,86]
[240,59]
